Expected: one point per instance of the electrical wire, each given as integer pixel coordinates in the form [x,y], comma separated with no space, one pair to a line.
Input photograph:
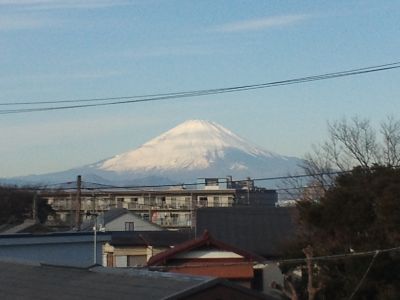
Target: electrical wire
[195,93]
[224,180]
[371,68]
[365,275]
[340,256]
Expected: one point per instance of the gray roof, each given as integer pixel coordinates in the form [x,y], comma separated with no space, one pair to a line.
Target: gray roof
[107,217]
[262,230]
[34,281]
[110,216]
[22,281]
[154,238]
[52,238]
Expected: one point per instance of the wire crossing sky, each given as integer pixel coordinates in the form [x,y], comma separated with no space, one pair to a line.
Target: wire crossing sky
[170,96]
[210,60]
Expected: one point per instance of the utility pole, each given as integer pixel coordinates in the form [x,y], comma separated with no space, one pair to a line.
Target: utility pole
[34,208]
[78,203]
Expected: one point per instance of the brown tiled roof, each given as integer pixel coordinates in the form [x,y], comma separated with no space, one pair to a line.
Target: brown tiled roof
[205,240]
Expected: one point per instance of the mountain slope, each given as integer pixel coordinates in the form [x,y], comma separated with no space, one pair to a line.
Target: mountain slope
[192,145]
[192,149]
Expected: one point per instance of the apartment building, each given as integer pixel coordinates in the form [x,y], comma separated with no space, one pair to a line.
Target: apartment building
[170,208]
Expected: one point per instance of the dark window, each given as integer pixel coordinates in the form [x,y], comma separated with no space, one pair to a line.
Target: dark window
[203,201]
[129,226]
[211,181]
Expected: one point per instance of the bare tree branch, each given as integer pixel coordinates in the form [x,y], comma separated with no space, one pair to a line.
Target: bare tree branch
[390,130]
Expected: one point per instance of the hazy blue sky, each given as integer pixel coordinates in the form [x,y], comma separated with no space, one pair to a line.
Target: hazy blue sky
[66,49]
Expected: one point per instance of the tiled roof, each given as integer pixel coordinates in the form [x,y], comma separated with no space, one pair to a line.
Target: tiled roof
[205,239]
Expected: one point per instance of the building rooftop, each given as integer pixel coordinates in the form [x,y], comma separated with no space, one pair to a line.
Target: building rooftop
[163,238]
[37,281]
[205,240]
[262,230]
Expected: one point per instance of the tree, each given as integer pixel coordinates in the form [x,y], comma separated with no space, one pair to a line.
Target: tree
[350,143]
[361,212]
[344,211]
[17,204]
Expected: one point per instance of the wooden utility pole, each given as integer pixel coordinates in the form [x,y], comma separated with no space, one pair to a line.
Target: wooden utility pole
[34,208]
[78,203]
[312,291]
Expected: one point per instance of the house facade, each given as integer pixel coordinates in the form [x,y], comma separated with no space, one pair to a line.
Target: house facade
[118,219]
[207,256]
[134,249]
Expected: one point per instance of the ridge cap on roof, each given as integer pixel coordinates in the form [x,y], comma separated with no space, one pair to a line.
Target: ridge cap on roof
[202,240]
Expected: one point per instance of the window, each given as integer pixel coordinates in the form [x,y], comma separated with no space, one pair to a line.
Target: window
[121,261]
[187,202]
[129,226]
[136,260]
[119,202]
[216,201]
[211,181]
[173,202]
[160,201]
[202,201]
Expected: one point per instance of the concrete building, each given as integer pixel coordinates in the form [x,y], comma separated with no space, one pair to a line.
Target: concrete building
[169,208]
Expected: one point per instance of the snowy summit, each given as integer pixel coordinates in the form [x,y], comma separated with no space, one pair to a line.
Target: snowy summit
[194,144]
[191,150]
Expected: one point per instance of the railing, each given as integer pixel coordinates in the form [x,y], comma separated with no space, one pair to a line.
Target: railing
[172,222]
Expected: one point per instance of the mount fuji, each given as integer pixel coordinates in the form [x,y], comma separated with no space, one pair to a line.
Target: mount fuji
[193,149]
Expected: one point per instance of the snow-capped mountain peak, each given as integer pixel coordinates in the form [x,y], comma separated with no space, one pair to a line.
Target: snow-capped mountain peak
[191,150]
[192,145]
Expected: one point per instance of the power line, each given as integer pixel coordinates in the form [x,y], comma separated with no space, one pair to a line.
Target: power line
[316,258]
[138,187]
[187,94]
[224,180]
[365,275]
[221,181]
[301,79]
